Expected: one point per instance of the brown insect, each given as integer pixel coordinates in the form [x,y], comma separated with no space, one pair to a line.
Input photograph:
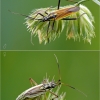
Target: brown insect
[59,14]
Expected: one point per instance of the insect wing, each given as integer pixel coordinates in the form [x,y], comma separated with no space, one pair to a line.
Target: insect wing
[66,12]
[31,93]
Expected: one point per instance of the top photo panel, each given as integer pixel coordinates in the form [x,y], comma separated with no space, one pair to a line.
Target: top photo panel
[50,25]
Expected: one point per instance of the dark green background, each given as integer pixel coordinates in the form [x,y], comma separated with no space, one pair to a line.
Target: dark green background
[16,37]
[78,68]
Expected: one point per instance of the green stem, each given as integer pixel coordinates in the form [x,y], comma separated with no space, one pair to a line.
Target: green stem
[80,2]
[97,2]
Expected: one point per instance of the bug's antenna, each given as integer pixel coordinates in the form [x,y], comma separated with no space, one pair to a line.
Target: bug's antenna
[31,18]
[58,67]
[74,89]
[21,14]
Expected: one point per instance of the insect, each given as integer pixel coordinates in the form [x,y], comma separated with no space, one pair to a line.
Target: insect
[45,86]
[52,17]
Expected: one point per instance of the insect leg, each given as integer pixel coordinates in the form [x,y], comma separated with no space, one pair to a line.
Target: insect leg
[47,10]
[39,14]
[56,96]
[44,12]
[32,81]
[53,24]
[73,18]
[58,4]
[53,17]
[70,18]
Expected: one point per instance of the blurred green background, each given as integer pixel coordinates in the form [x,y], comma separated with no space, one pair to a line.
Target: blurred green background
[16,37]
[78,68]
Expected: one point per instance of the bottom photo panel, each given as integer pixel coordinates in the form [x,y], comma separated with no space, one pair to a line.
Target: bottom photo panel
[50,75]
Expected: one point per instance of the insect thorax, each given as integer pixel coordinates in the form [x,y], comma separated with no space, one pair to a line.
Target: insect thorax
[51,16]
[49,85]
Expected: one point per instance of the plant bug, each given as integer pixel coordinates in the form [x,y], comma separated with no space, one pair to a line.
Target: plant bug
[46,86]
[50,18]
